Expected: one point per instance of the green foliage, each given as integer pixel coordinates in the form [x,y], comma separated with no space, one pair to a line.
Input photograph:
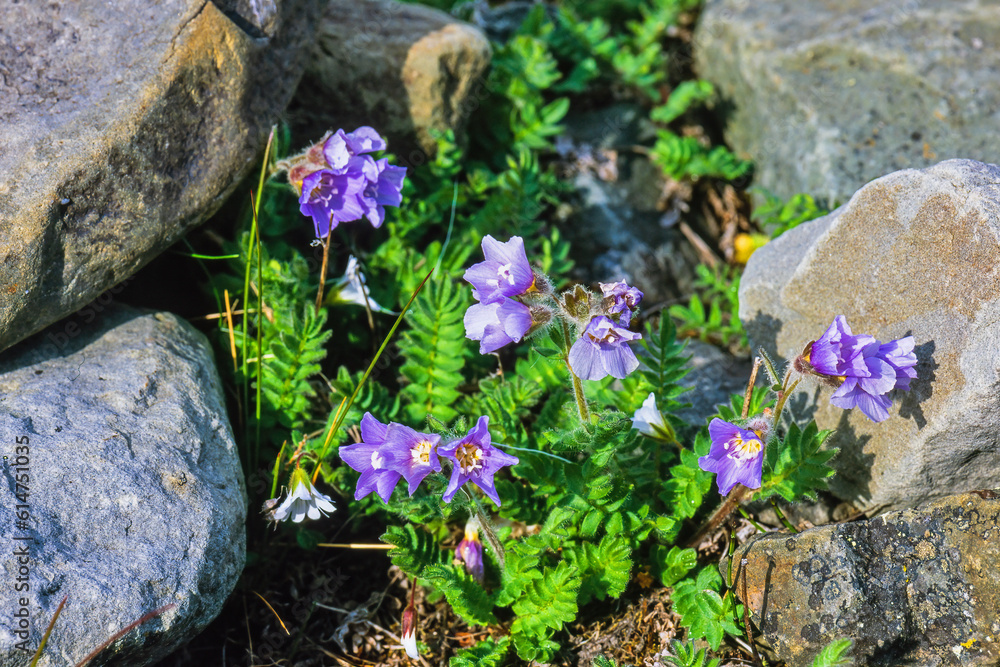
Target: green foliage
[673,565]
[682,98]
[487,653]
[601,661]
[797,467]
[415,550]
[547,602]
[465,595]
[688,157]
[705,613]
[435,349]
[293,347]
[775,217]
[688,655]
[835,654]
[713,316]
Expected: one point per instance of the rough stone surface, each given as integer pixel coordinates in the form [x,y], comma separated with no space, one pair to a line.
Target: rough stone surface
[827,95]
[621,228]
[915,587]
[125,125]
[714,376]
[916,252]
[136,495]
[403,69]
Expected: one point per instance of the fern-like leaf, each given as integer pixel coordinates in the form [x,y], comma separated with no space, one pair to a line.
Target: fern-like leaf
[547,603]
[434,349]
[796,468]
[487,653]
[706,613]
[688,655]
[414,550]
[464,594]
[834,654]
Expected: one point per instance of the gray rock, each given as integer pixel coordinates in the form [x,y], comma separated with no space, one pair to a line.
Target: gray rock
[136,496]
[404,69]
[714,377]
[618,229]
[826,96]
[915,252]
[915,587]
[124,126]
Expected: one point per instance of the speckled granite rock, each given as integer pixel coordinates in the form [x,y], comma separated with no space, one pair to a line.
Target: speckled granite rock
[125,125]
[826,96]
[915,587]
[136,495]
[401,68]
[915,252]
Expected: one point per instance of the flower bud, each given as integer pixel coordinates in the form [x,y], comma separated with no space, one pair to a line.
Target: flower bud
[410,632]
[470,551]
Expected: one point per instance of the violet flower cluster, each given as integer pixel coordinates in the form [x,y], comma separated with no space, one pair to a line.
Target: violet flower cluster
[514,301]
[390,452]
[339,181]
[863,369]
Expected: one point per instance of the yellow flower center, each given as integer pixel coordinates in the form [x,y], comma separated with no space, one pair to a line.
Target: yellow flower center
[469,458]
[741,449]
[421,453]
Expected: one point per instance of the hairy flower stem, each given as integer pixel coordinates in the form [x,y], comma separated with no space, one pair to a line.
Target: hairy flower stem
[783,395]
[581,400]
[322,273]
[737,496]
[753,378]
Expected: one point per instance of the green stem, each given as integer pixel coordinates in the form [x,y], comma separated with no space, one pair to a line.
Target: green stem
[784,397]
[581,399]
[781,517]
[746,515]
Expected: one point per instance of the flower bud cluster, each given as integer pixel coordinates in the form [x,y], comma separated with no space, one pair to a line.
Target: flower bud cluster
[338,181]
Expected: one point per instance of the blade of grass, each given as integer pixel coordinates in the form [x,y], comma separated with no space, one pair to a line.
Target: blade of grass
[283,627]
[343,413]
[232,334]
[254,233]
[48,631]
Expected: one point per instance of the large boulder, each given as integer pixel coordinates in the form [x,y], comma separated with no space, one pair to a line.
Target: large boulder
[916,253]
[124,126]
[825,96]
[915,587]
[123,490]
[404,69]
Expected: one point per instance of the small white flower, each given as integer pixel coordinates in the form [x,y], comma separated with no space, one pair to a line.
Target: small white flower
[649,421]
[303,500]
[351,288]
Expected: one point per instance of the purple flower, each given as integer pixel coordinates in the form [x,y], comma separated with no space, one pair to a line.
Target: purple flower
[340,148]
[505,273]
[624,300]
[412,454]
[603,350]
[375,463]
[470,551]
[384,190]
[736,456]
[497,324]
[474,458]
[863,369]
[330,199]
